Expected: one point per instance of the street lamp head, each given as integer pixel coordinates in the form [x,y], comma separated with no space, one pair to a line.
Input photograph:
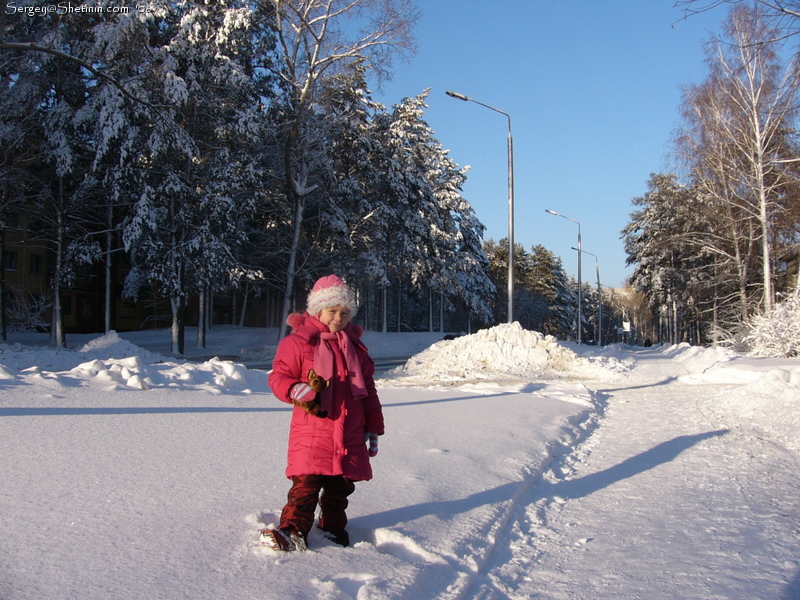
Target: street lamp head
[457,95]
[552,212]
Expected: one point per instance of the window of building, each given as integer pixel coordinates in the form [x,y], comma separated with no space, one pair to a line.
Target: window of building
[10,260]
[36,262]
[87,307]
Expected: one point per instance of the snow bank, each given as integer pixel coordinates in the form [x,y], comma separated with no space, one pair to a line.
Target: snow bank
[770,405]
[18,357]
[116,364]
[503,352]
[764,394]
[506,354]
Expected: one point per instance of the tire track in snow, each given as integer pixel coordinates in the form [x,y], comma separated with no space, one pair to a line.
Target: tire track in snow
[478,584]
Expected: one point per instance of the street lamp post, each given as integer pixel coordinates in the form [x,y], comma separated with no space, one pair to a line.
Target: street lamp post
[599,299]
[552,212]
[458,96]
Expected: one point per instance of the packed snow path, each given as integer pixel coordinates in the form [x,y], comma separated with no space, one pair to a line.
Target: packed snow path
[663,500]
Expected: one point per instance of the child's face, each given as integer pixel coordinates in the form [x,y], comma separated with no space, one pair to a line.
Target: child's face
[335,317]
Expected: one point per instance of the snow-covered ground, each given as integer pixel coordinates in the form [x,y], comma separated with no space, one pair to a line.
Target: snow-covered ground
[513,467]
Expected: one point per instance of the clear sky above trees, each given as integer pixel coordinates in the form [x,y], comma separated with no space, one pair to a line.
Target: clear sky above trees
[593,90]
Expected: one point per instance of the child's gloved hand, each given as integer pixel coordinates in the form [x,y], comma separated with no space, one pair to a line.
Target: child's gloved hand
[372,440]
[305,397]
[316,382]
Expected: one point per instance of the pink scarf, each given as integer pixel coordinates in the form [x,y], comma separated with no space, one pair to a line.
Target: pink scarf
[324,360]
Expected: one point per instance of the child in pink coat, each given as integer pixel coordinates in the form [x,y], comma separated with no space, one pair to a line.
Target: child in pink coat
[324,370]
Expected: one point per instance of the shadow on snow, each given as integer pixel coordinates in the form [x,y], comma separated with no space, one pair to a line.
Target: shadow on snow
[149,410]
[567,489]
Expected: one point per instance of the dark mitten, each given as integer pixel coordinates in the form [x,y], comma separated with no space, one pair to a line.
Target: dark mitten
[372,442]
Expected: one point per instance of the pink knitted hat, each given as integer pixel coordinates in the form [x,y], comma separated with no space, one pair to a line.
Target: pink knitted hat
[330,291]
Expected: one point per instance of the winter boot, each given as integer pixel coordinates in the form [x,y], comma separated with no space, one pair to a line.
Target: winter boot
[283,540]
[338,537]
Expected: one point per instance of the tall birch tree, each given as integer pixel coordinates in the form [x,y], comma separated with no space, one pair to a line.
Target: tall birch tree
[736,143]
[316,38]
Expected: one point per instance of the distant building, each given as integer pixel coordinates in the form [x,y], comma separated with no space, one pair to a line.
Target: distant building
[28,267]
[787,272]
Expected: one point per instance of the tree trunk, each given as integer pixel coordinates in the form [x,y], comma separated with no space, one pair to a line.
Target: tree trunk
[201,318]
[244,304]
[288,294]
[399,303]
[178,304]
[676,330]
[441,312]
[57,337]
[766,257]
[430,308]
[3,323]
[385,308]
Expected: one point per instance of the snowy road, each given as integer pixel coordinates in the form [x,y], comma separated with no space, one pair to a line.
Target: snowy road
[662,501]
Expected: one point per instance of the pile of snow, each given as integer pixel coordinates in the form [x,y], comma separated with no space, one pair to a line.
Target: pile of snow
[506,353]
[19,357]
[503,352]
[698,359]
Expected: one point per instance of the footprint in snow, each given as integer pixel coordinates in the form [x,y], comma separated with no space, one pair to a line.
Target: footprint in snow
[403,547]
[349,583]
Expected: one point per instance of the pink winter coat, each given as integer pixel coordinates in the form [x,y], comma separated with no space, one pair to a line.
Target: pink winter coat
[333,445]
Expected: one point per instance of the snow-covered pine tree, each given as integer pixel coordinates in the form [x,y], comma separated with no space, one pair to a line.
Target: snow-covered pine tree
[548,280]
[199,185]
[341,218]
[406,220]
[664,241]
[115,123]
[460,266]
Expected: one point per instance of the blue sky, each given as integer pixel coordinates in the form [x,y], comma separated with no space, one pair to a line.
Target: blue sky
[593,88]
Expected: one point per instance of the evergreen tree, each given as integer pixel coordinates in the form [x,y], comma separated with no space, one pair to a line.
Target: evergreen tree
[198,188]
[315,41]
[547,279]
